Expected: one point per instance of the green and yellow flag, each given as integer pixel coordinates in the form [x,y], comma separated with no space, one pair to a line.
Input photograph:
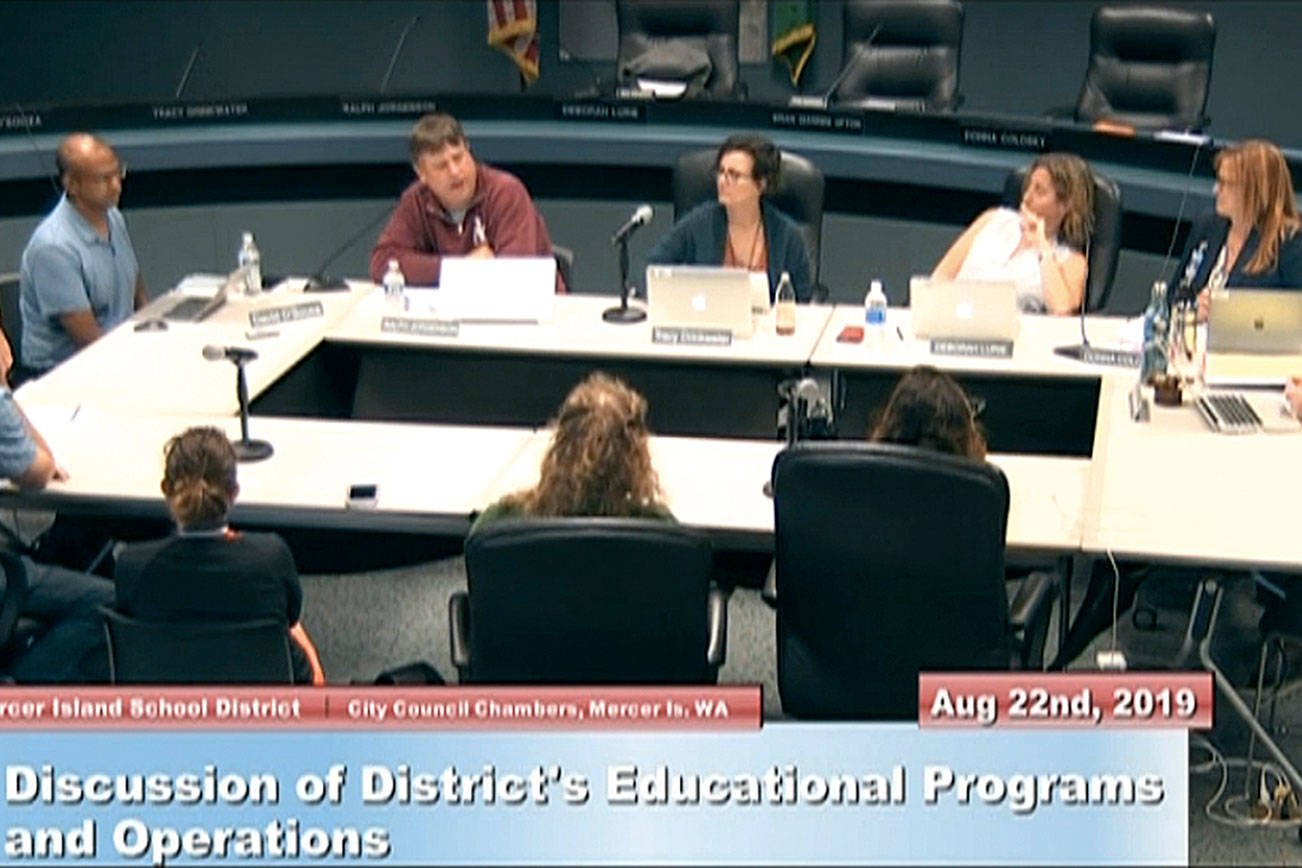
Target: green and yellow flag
[793,35]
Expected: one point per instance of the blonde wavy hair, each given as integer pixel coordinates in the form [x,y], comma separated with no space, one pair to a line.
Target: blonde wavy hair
[199,476]
[1267,185]
[599,462]
[1073,182]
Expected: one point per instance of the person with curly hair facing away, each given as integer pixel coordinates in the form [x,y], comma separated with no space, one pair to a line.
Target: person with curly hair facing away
[598,463]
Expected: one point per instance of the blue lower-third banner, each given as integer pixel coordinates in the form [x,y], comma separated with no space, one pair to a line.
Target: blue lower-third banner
[786,793]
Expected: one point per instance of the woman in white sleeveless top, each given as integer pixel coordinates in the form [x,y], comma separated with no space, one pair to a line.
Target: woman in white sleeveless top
[1039,247]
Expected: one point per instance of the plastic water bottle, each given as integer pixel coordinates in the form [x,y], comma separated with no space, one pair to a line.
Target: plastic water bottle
[784,307]
[874,314]
[1153,361]
[250,261]
[395,287]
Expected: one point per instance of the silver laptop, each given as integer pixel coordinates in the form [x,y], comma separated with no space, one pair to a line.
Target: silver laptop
[1255,321]
[699,296]
[504,289]
[196,305]
[964,309]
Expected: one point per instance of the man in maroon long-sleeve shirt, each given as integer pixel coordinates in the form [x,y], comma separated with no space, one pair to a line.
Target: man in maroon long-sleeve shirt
[456,207]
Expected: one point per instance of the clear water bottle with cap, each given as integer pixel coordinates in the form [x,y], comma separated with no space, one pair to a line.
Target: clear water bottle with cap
[784,307]
[874,314]
[250,261]
[1153,361]
[395,287]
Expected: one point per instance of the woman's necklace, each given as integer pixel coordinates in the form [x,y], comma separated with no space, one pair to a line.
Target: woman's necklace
[749,264]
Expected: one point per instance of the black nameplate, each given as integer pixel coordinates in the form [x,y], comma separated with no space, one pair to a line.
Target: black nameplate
[583,110]
[691,336]
[816,119]
[374,108]
[288,313]
[976,349]
[1004,138]
[429,328]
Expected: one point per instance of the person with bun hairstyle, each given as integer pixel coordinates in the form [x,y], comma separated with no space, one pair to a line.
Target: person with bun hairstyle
[206,571]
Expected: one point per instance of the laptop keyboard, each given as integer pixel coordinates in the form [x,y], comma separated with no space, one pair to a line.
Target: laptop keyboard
[1228,412]
[187,308]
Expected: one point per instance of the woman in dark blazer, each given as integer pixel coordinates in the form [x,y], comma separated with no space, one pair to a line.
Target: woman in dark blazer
[742,229]
[206,571]
[1252,239]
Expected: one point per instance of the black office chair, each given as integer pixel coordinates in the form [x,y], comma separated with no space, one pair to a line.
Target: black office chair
[692,43]
[1150,67]
[901,54]
[799,194]
[565,265]
[1104,241]
[890,562]
[254,651]
[588,600]
[11,321]
[14,639]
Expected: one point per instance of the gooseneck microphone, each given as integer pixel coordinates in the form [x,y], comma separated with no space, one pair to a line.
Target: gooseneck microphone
[821,101]
[624,313]
[641,217]
[245,448]
[319,281]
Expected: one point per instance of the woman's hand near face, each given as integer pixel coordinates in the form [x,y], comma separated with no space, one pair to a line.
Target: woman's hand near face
[1033,231]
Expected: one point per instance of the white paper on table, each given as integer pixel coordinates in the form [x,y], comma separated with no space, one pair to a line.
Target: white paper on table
[1131,333]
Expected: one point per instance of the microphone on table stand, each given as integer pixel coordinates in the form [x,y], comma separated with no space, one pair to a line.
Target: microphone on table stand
[1083,352]
[807,414]
[319,281]
[821,101]
[624,313]
[245,448]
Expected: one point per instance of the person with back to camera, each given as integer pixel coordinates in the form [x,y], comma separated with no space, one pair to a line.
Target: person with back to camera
[206,571]
[598,463]
[742,229]
[1251,238]
[930,410]
[1039,247]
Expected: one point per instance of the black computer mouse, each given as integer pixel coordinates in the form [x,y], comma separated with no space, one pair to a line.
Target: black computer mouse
[153,324]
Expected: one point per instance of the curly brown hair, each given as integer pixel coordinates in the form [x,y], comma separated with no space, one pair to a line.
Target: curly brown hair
[929,409]
[1073,182]
[599,462]
[199,476]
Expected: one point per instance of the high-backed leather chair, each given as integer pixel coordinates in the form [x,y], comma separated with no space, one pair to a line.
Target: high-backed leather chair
[1104,241]
[657,39]
[799,193]
[197,652]
[900,54]
[11,321]
[588,600]
[890,561]
[1150,67]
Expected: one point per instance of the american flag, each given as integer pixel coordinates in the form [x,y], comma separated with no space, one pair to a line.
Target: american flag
[513,28]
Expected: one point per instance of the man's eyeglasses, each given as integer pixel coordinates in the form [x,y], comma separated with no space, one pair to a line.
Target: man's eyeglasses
[732,176]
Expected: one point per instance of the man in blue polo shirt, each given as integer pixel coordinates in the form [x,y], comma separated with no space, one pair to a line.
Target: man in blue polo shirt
[65,600]
[79,276]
